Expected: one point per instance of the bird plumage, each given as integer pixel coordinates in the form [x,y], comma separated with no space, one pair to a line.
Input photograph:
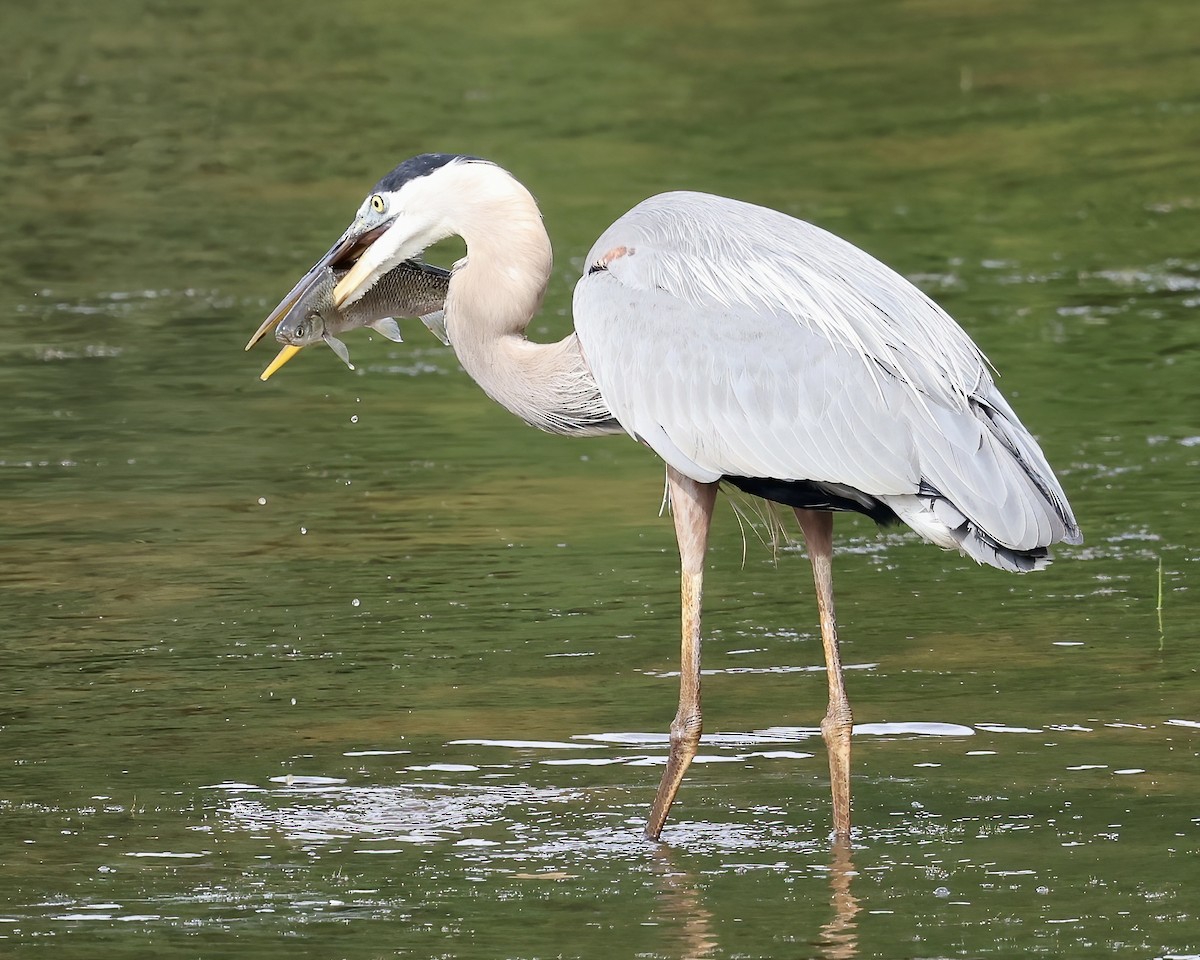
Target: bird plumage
[738,341]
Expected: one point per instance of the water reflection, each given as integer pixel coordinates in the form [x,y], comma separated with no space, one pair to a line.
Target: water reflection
[839,937]
[681,907]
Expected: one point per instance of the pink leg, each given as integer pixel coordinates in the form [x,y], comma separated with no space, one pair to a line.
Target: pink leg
[692,508]
[836,727]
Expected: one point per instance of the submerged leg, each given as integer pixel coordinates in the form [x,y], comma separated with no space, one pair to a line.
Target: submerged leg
[692,508]
[817,526]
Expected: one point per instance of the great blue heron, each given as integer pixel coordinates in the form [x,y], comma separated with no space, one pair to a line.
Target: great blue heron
[740,345]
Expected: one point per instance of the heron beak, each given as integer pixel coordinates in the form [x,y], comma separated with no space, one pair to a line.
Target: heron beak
[358,275]
[349,247]
[283,357]
[299,290]
[373,256]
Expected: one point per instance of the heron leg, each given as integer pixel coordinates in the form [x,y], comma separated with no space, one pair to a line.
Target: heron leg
[817,526]
[692,508]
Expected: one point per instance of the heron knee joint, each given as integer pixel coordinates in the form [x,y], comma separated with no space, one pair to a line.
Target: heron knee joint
[837,723]
[687,729]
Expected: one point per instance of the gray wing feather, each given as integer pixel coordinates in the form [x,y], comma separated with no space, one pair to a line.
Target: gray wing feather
[713,251]
[736,340]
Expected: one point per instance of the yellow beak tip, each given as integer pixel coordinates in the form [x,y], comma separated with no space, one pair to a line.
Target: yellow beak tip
[283,357]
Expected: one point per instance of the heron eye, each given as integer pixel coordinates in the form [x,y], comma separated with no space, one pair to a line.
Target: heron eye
[377,203]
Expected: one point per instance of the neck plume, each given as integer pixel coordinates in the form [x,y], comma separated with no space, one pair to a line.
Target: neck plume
[493,295]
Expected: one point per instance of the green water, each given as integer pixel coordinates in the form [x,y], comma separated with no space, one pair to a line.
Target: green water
[353,664]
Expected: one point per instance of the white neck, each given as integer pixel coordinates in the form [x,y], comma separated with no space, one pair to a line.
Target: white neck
[494,295]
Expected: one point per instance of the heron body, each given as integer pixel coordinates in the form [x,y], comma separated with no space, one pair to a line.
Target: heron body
[762,347]
[741,345]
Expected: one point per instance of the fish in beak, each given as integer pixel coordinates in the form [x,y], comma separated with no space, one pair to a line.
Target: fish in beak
[346,251]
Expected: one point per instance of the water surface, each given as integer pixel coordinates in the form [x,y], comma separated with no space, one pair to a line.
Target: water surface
[352,664]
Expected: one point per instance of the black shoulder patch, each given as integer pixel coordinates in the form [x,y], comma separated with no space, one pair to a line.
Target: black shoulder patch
[415,167]
[614,254]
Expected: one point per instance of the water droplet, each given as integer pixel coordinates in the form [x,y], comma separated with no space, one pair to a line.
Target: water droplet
[355,602]
[262,501]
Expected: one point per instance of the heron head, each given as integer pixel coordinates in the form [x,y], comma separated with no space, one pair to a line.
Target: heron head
[405,212]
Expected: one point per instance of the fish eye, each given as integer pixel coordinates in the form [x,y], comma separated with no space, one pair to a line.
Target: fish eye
[301,329]
[377,203]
